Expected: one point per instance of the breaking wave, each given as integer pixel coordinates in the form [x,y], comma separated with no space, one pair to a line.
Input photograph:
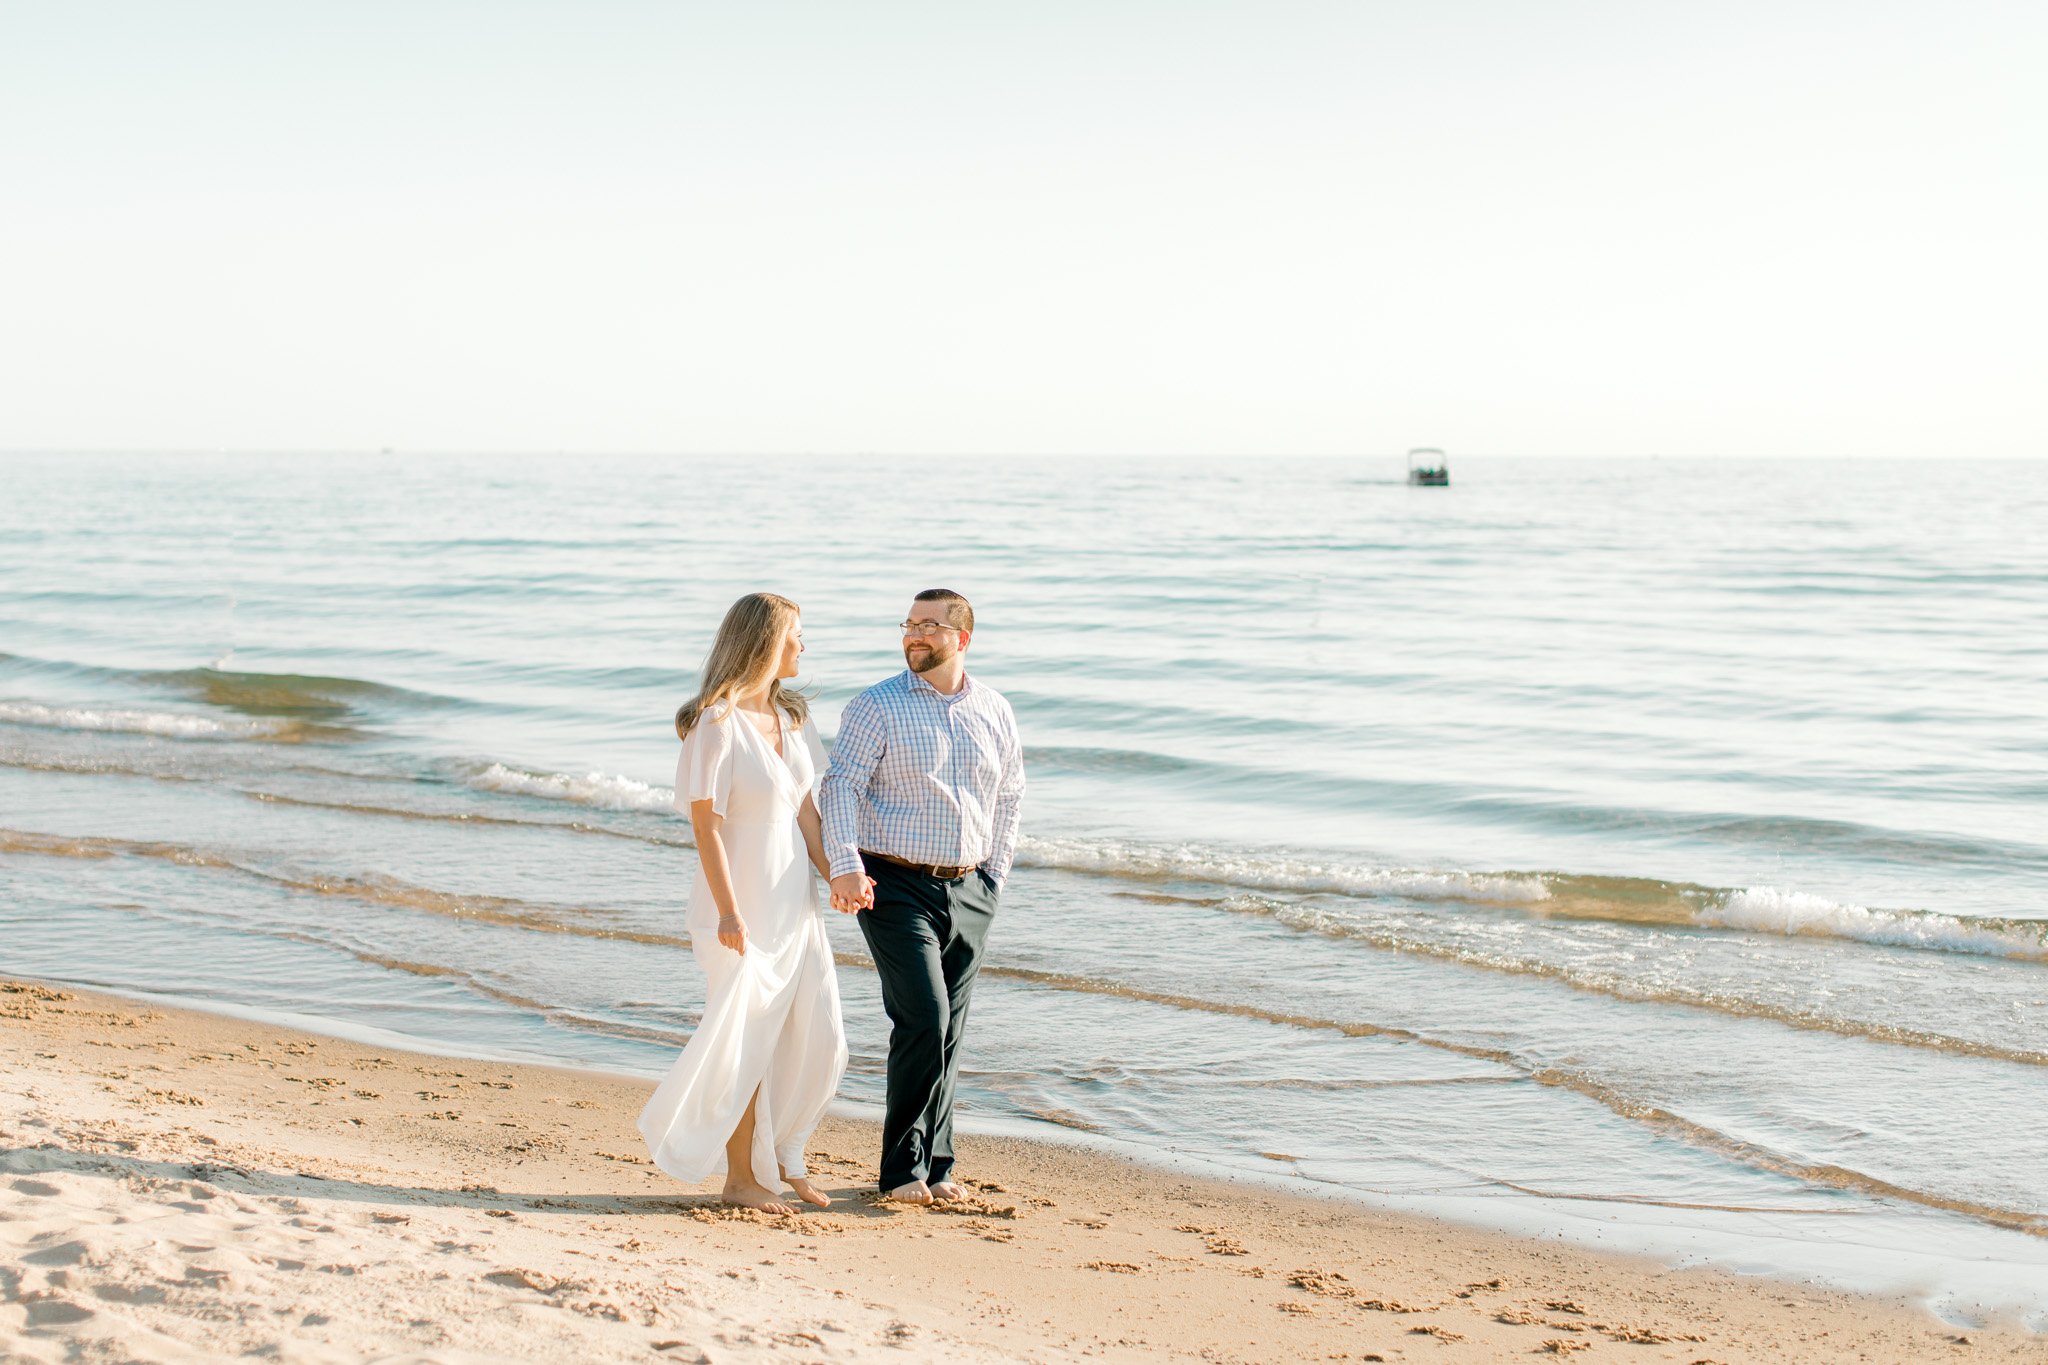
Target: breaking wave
[163,724]
[1766,909]
[1274,872]
[1551,895]
[600,791]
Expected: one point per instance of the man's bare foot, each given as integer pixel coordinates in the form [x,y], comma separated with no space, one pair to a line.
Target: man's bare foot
[751,1196]
[808,1192]
[948,1189]
[916,1192]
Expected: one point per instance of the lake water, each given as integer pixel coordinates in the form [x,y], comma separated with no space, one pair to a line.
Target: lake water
[1649,852]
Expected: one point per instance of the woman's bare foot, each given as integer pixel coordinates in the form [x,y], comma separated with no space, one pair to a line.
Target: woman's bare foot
[748,1195]
[808,1192]
[916,1192]
[948,1189]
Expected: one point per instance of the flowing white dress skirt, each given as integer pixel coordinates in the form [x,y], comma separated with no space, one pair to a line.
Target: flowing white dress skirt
[771,1020]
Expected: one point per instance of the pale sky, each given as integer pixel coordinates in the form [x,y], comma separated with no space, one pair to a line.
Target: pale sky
[1115,226]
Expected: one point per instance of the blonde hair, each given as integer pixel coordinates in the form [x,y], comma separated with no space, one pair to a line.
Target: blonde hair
[744,654]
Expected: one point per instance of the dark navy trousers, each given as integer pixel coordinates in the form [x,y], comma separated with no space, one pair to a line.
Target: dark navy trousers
[926,936]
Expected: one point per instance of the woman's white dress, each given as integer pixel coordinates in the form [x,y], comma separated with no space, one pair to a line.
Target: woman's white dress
[771,1015]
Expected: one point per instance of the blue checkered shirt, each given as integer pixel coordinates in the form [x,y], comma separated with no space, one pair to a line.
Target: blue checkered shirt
[925,777]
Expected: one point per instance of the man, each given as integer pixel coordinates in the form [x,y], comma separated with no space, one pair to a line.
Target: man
[920,810]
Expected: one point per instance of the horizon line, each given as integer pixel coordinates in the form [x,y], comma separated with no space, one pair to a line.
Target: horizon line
[184,452]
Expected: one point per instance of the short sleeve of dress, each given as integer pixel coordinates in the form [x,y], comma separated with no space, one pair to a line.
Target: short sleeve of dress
[704,770]
[816,747]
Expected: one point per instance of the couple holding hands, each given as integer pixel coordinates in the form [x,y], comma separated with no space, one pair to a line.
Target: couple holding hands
[914,822]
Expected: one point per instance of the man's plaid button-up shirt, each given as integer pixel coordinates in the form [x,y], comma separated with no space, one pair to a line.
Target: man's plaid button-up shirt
[925,777]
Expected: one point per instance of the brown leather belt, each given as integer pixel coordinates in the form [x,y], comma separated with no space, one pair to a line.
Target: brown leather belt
[944,874]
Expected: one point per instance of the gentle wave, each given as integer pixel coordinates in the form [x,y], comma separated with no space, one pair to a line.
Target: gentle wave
[306,695]
[1772,910]
[162,724]
[93,767]
[1403,939]
[600,791]
[1556,895]
[1778,831]
[1273,872]
[554,1014]
[295,694]
[98,767]
[1759,1157]
[459,817]
[381,890]
[1766,909]
[469,979]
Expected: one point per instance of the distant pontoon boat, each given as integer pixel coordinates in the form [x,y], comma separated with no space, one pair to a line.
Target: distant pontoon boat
[1429,467]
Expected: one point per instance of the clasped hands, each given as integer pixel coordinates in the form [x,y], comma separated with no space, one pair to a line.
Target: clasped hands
[853,892]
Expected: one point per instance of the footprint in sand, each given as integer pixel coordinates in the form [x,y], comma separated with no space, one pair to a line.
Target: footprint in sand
[988,1232]
[54,1312]
[970,1207]
[140,1294]
[521,1278]
[64,1253]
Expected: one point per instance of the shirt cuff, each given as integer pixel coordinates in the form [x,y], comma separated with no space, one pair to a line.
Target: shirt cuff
[846,860]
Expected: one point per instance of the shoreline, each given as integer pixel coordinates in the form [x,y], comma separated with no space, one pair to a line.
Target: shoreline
[1939,1275]
[187,1185]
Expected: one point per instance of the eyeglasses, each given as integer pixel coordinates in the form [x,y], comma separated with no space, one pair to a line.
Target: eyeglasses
[911,628]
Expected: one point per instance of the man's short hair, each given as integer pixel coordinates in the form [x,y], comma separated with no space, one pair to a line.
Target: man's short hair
[958,613]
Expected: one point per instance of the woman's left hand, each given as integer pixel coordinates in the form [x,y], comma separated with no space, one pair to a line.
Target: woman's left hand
[732,932]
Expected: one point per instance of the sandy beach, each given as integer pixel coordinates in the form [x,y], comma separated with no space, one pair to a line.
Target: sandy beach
[183,1186]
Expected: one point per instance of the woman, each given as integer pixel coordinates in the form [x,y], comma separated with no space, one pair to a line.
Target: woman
[769,1051]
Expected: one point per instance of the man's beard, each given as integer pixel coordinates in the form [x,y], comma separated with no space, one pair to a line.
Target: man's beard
[931,658]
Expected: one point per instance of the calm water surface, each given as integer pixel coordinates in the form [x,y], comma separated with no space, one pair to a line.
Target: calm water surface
[1654,852]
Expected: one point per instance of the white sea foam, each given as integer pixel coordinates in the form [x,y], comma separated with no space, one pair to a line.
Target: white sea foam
[168,724]
[600,791]
[1766,909]
[1272,872]
[1758,909]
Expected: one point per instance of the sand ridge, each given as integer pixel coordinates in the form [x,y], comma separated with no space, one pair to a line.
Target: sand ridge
[182,1186]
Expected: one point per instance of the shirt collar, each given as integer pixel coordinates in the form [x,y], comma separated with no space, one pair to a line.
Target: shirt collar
[917,681]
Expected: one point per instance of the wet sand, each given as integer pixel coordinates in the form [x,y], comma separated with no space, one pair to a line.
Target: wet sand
[183,1186]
